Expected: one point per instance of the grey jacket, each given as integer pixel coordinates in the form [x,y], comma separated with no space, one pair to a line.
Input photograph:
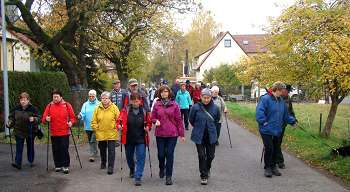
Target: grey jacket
[219,101]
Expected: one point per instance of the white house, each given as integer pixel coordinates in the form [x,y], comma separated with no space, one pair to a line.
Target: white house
[228,49]
[19,52]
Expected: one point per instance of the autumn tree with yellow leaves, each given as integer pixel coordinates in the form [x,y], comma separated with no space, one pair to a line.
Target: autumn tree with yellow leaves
[309,44]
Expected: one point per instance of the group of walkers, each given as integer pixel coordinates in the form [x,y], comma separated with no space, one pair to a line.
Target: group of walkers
[123,117]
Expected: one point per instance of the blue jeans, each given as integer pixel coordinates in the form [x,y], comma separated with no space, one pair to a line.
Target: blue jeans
[140,158]
[166,148]
[19,149]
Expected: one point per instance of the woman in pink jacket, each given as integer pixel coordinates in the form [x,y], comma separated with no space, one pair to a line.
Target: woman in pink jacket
[167,118]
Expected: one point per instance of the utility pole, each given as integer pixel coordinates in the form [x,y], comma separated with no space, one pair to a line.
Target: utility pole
[5,66]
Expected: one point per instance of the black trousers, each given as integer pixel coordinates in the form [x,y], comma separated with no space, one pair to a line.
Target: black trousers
[206,154]
[184,114]
[110,146]
[279,156]
[218,129]
[60,146]
[272,147]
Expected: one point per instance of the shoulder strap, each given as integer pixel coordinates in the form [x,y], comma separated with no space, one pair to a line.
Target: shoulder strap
[206,112]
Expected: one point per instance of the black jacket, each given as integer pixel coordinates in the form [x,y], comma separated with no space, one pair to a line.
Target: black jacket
[19,120]
[135,124]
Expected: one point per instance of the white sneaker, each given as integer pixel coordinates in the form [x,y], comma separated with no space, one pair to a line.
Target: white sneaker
[204,181]
[65,170]
[58,169]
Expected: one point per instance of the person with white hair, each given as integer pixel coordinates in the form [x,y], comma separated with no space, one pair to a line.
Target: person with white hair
[104,122]
[85,115]
[218,101]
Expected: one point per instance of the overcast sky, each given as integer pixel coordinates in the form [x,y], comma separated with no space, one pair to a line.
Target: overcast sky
[239,16]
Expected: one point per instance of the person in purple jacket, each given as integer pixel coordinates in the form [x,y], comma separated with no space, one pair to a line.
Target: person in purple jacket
[167,118]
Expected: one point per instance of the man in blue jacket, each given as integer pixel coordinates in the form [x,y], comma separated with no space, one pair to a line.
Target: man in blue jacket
[271,114]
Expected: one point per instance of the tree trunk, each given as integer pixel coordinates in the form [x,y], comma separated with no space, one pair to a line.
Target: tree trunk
[82,61]
[121,70]
[331,115]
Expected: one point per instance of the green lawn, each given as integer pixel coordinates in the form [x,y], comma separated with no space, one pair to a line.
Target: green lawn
[301,143]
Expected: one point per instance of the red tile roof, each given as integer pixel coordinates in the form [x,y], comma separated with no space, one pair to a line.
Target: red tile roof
[24,39]
[256,43]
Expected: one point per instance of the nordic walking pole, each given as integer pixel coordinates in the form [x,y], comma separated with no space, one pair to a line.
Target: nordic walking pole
[262,155]
[76,149]
[149,155]
[11,145]
[47,148]
[78,129]
[121,162]
[228,131]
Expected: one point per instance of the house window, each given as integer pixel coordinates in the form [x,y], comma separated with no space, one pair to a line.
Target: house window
[227,42]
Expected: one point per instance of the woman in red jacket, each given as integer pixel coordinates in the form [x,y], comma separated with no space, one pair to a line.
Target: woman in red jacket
[197,93]
[60,115]
[135,125]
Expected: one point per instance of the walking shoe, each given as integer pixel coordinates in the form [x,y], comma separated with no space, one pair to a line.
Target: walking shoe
[110,171]
[15,165]
[131,174]
[276,172]
[168,181]
[137,182]
[103,166]
[65,170]
[91,159]
[58,169]
[204,181]
[268,172]
[161,174]
[281,165]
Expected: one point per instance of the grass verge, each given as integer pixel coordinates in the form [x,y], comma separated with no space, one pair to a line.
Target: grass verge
[300,143]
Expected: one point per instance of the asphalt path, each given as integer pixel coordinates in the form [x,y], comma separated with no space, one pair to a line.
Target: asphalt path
[234,169]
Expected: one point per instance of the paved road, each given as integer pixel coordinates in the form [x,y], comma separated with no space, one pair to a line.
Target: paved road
[236,169]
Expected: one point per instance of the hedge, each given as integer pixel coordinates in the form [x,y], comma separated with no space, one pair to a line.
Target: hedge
[39,86]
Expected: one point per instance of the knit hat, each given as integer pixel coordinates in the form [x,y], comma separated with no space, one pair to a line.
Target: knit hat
[206,92]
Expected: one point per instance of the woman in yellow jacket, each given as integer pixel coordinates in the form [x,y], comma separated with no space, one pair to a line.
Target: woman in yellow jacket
[104,124]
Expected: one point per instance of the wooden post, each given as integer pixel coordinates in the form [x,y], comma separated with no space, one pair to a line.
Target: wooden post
[349,127]
[320,130]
